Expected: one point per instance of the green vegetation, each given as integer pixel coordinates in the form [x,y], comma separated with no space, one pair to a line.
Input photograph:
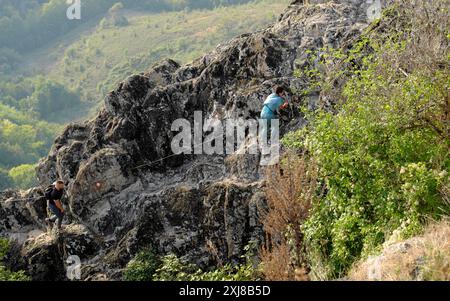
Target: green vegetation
[147,266]
[52,76]
[24,138]
[5,274]
[383,150]
[51,99]
[29,24]
[97,62]
[142,267]
[23,176]
[5,180]
[175,269]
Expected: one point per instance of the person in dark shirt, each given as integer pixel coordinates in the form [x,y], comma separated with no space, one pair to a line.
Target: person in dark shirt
[54,204]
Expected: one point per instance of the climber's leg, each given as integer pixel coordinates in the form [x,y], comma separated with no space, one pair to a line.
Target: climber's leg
[266,129]
[57,215]
[266,119]
[264,140]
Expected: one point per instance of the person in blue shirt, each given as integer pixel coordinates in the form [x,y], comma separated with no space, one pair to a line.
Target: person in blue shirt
[273,103]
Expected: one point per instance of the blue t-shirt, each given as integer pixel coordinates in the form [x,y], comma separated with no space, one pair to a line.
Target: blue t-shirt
[271,106]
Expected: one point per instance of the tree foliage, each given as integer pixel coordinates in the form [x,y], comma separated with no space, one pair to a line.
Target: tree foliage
[142,267]
[147,266]
[51,98]
[24,176]
[29,24]
[6,274]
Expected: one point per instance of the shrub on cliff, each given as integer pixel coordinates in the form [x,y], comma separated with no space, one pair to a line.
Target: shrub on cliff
[147,266]
[383,147]
[176,269]
[142,267]
[6,274]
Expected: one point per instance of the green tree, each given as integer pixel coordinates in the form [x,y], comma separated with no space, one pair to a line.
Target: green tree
[24,176]
[5,180]
[9,60]
[50,98]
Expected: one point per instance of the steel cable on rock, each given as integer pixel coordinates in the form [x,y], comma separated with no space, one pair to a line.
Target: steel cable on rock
[98,182]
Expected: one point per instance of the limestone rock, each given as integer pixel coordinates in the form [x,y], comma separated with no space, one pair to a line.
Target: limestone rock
[44,255]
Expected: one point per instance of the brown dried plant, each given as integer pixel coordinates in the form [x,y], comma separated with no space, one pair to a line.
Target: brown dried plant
[290,190]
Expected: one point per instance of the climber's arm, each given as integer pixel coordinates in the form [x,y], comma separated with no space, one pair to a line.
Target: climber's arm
[59,205]
[282,102]
[285,105]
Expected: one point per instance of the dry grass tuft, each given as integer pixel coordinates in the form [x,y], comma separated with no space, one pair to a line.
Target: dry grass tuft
[276,263]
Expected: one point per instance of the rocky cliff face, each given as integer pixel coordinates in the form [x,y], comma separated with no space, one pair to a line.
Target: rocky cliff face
[127,191]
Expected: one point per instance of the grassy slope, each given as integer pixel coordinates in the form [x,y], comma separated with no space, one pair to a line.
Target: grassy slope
[101,57]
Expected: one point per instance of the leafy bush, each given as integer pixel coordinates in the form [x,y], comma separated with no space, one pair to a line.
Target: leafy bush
[4,247]
[173,269]
[381,171]
[142,267]
[147,266]
[176,269]
[245,272]
[382,150]
[5,274]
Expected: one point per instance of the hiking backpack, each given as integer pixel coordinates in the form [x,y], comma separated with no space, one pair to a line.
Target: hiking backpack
[48,192]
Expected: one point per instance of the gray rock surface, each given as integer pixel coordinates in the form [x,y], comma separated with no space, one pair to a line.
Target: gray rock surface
[126,188]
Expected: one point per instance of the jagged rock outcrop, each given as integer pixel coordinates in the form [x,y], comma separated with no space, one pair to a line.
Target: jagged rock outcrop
[43,255]
[127,187]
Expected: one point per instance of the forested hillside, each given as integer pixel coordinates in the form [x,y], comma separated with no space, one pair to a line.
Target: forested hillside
[29,24]
[54,71]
